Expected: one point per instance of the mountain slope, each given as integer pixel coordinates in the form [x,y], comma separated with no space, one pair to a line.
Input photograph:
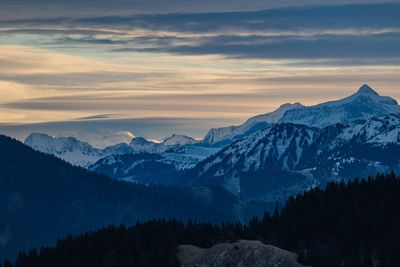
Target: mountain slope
[364,104]
[71,149]
[178,140]
[57,198]
[140,144]
[144,168]
[151,168]
[287,158]
[224,135]
[345,224]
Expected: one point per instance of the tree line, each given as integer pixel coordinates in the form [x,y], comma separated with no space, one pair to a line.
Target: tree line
[355,223]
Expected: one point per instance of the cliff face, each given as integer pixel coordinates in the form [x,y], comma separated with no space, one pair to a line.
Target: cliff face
[243,253]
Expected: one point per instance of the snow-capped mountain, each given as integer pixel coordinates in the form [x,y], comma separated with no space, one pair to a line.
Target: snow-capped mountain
[363,104]
[141,144]
[103,140]
[178,140]
[71,149]
[226,135]
[183,150]
[288,158]
[178,150]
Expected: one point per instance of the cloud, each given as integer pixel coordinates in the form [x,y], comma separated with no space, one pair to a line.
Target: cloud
[373,48]
[26,9]
[99,116]
[113,64]
[364,33]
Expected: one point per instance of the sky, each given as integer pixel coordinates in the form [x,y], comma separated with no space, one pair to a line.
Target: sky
[158,67]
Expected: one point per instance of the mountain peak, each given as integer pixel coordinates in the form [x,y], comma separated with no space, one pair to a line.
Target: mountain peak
[140,141]
[366,90]
[178,139]
[290,105]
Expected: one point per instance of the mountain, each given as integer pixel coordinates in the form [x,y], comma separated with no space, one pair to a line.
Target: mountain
[178,140]
[186,157]
[144,168]
[140,144]
[292,165]
[100,139]
[152,168]
[180,150]
[363,104]
[225,135]
[71,149]
[43,198]
[288,158]
[173,154]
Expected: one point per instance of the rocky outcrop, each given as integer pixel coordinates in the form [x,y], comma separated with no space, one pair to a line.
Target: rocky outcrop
[242,253]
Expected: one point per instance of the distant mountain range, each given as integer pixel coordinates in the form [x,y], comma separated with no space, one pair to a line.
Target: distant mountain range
[269,157]
[72,150]
[83,154]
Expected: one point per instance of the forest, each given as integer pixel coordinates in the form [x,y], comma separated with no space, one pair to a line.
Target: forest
[356,223]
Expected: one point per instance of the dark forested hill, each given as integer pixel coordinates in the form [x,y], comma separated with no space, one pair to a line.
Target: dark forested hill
[353,224]
[43,198]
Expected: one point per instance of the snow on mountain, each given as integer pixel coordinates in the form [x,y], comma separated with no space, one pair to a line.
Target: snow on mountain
[118,149]
[100,138]
[277,148]
[179,150]
[179,140]
[71,149]
[288,158]
[141,144]
[186,157]
[376,130]
[144,168]
[153,162]
[364,104]
[111,139]
[229,134]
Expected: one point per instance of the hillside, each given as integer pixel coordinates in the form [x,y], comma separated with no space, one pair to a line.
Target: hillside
[44,198]
[353,224]
[286,159]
